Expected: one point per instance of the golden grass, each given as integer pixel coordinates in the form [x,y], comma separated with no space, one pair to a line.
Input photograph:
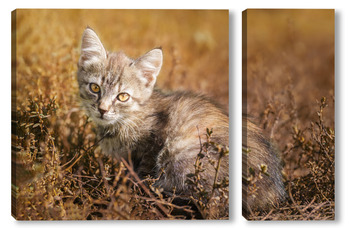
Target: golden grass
[58,172]
[289,91]
[48,46]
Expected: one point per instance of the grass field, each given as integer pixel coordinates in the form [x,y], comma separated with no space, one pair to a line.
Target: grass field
[57,169]
[59,173]
[288,91]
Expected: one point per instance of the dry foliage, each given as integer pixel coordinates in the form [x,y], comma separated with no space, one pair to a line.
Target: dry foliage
[57,169]
[290,93]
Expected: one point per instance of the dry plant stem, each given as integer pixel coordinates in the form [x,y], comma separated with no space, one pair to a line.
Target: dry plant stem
[291,197]
[217,172]
[197,206]
[72,159]
[82,182]
[165,203]
[312,201]
[104,177]
[132,172]
[266,217]
[314,210]
[81,155]
[69,167]
[200,152]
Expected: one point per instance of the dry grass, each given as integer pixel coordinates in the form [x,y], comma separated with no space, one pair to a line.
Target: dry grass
[57,169]
[289,90]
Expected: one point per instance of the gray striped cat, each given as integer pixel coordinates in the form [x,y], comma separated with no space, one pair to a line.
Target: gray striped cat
[162,132]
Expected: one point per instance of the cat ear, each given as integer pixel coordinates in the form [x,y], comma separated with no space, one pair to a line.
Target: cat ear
[92,50]
[150,65]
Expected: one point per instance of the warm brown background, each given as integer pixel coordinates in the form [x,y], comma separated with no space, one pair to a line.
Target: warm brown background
[288,70]
[57,170]
[195,45]
[289,53]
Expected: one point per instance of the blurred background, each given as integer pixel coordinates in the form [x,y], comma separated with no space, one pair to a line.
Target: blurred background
[288,90]
[195,45]
[57,168]
[289,66]
[289,49]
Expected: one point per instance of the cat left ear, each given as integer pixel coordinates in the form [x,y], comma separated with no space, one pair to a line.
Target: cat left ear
[150,65]
[92,50]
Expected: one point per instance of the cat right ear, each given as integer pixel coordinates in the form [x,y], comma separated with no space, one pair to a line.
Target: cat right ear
[150,65]
[92,50]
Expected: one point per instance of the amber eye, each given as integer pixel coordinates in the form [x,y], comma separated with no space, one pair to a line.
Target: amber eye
[94,88]
[123,97]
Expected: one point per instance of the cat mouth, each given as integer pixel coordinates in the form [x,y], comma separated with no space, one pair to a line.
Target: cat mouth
[104,120]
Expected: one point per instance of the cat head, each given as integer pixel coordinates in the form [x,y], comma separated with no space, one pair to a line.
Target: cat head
[112,85]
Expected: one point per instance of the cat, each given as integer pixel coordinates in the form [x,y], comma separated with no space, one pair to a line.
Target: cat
[261,170]
[162,132]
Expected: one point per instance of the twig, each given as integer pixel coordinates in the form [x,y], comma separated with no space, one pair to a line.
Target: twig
[312,201]
[291,197]
[81,155]
[132,172]
[165,203]
[314,210]
[263,219]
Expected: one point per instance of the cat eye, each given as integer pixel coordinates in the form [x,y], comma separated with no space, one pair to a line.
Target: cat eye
[94,88]
[123,97]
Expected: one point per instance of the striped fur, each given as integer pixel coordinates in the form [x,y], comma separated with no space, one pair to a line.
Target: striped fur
[161,131]
[257,151]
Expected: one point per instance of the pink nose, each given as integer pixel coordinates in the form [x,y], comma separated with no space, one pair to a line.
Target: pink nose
[102,111]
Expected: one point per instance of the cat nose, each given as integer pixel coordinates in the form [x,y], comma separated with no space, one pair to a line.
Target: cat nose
[102,111]
[104,106]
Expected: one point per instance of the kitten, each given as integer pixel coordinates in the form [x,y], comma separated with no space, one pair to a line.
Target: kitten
[259,191]
[162,131]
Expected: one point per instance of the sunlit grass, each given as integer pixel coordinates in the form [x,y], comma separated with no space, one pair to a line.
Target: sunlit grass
[58,170]
[289,92]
